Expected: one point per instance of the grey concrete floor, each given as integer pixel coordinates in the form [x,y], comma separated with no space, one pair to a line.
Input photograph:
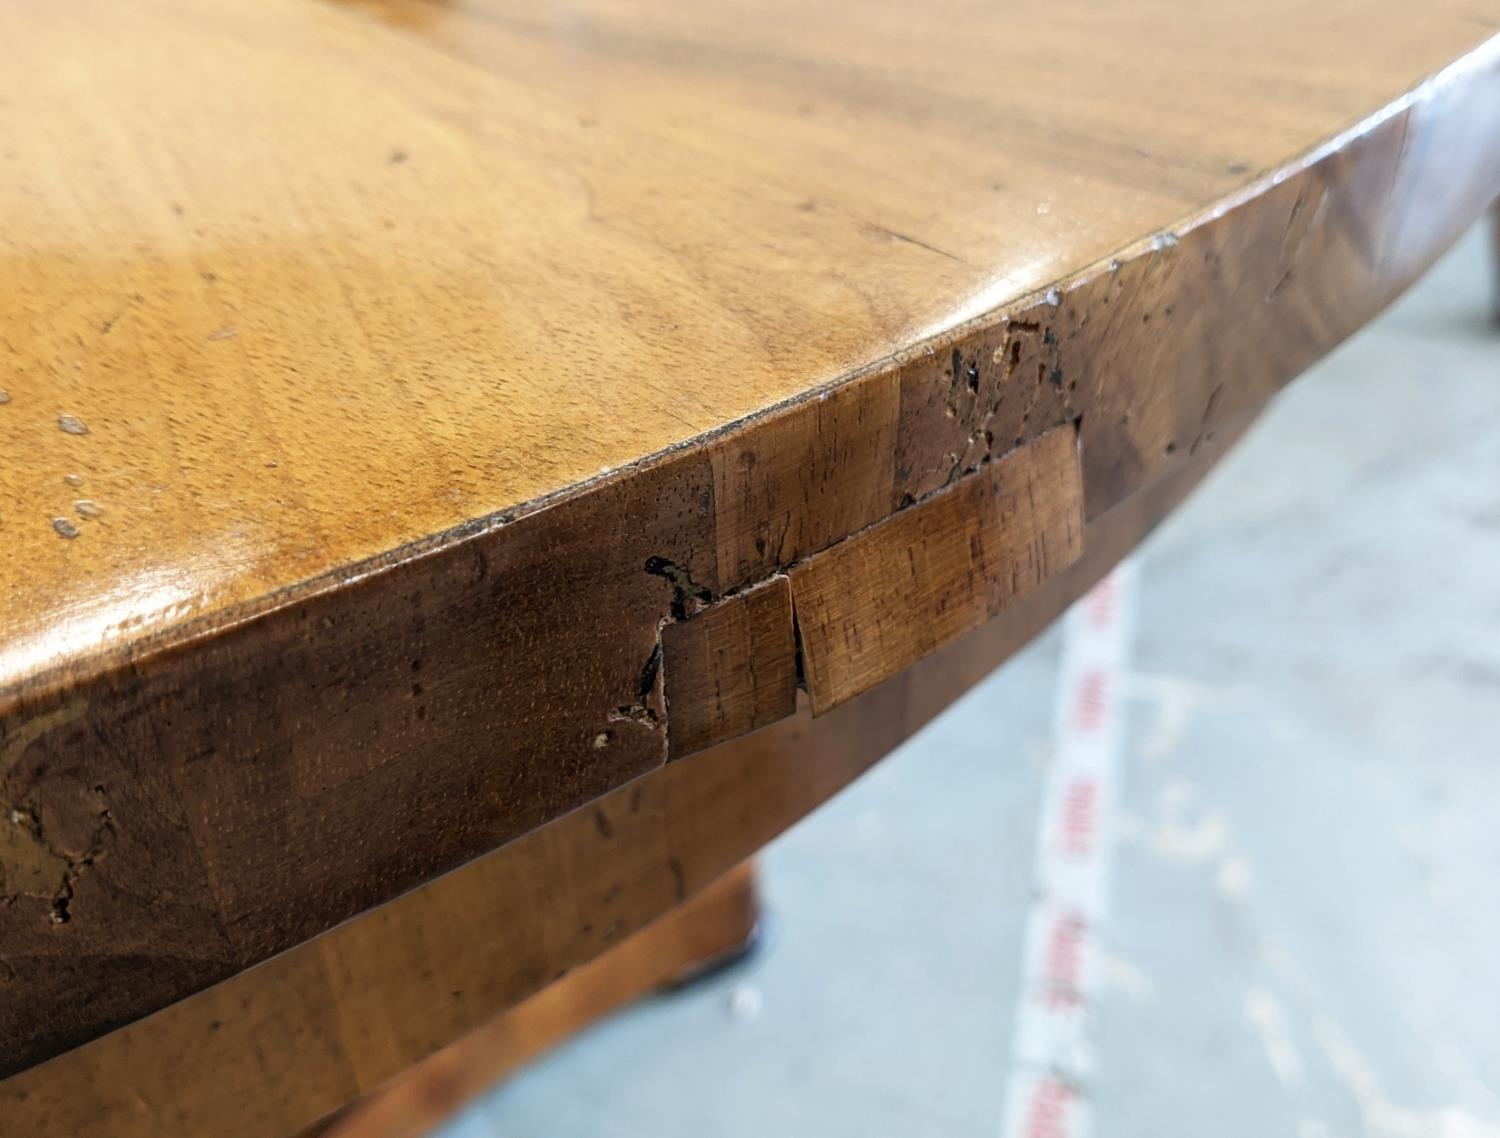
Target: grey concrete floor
[1304,936]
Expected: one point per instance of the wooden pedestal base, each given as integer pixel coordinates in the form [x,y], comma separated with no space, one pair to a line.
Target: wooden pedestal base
[708,929]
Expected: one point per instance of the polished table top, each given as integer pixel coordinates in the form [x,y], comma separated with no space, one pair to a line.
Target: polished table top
[288,288]
[423,419]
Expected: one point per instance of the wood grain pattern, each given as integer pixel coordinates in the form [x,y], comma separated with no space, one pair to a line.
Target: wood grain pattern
[697,934]
[730,668]
[385,312]
[283,1044]
[376,354]
[893,594]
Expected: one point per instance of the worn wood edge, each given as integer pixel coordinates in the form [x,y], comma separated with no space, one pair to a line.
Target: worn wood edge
[1387,166]
[282,1044]
[1025,507]
[233,617]
[875,603]
[729,667]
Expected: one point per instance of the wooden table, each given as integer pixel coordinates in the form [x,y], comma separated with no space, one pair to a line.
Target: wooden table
[424,423]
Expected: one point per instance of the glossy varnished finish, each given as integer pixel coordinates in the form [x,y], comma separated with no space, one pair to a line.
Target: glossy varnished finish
[382,378]
[301,332]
